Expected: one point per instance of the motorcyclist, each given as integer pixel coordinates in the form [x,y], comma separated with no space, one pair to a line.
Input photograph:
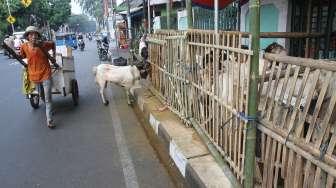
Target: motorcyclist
[105,41]
[103,47]
[80,36]
[81,41]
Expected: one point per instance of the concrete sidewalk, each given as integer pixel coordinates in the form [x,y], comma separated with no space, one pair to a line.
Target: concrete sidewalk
[181,149]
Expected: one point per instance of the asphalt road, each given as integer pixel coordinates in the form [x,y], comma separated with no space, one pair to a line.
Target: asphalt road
[92,146]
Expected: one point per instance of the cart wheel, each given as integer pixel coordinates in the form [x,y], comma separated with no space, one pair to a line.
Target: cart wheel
[34,101]
[74,91]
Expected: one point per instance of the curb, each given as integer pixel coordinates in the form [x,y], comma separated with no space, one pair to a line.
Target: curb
[180,148]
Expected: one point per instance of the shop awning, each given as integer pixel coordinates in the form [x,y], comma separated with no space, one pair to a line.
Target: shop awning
[210,3]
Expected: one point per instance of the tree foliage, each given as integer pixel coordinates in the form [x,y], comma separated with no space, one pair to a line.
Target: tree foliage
[94,8]
[39,13]
[81,23]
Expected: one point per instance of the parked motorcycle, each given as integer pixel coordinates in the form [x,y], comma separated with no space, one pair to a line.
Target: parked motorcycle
[81,44]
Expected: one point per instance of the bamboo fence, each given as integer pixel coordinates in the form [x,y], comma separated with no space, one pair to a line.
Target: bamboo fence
[203,78]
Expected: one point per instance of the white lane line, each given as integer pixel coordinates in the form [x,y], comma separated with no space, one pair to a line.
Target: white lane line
[125,158]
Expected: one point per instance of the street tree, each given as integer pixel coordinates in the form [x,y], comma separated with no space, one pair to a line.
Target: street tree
[93,8]
[39,13]
[81,23]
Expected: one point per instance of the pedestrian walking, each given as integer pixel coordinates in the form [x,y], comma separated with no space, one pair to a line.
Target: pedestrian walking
[39,69]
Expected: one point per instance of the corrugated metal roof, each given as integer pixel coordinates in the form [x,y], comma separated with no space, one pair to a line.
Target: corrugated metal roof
[137,3]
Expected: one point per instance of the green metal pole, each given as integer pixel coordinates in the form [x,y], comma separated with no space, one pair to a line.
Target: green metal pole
[168,13]
[216,16]
[249,161]
[331,10]
[189,14]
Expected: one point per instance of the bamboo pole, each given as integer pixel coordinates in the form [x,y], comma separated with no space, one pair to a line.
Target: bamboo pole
[305,62]
[249,160]
[216,16]
[331,10]
[265,34]
[290,35]
[149,16]
[189,14]
[168,14]
[308,27]
[238,17]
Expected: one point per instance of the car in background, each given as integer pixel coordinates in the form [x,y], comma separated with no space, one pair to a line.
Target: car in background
[18,41]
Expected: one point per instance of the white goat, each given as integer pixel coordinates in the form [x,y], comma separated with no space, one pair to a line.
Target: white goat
[125,76]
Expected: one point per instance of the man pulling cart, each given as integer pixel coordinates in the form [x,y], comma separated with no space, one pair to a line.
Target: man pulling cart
[42,68]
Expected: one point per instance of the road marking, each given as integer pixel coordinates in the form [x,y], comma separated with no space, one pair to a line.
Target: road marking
[125,158]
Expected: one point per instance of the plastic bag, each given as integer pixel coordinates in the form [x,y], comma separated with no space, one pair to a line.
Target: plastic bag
[27,86]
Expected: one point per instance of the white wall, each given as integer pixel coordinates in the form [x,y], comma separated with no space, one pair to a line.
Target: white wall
[281,5]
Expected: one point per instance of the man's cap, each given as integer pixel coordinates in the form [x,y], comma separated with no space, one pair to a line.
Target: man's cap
[31,29]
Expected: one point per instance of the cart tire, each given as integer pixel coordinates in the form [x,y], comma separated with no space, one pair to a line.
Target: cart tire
[34,101]
[74,92]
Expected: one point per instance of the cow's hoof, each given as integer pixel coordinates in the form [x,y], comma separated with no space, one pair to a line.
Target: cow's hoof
[106,103]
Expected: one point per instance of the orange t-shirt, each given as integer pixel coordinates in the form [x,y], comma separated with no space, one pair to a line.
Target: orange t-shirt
[38,64]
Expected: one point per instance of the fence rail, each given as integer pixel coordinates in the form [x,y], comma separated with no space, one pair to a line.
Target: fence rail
[204,77]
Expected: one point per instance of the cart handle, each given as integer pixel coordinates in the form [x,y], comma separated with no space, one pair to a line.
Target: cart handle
[15,55]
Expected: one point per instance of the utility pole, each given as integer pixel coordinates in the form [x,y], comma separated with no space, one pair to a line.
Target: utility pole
[168,14]
[106,14]
[113,6]
[251,128]
[144,15]
[129,25]
[189,14]
[10,14]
